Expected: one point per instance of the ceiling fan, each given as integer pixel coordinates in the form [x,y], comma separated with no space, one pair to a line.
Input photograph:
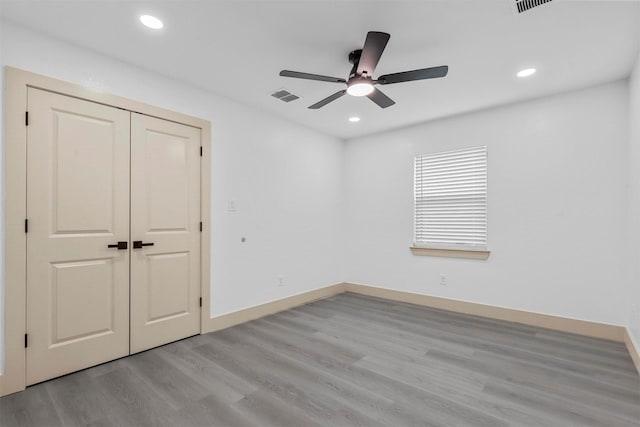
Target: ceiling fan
[360,81]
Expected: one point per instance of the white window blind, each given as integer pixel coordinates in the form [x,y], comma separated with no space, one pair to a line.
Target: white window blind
[451,199]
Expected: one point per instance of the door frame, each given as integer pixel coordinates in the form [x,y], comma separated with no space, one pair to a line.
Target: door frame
[13,378]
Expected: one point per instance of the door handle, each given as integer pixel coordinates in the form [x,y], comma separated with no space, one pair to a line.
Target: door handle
[120,245]
[137,244]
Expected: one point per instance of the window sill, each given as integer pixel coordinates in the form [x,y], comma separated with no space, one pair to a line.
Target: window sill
[451,253]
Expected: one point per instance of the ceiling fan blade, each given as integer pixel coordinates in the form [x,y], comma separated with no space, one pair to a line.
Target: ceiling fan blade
[407,76]
[307,76]
[328,99]
[381,99]
[374,45]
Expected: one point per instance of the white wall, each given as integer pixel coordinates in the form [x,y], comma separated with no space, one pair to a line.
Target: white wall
[634,202]
[557,231]
[285,179]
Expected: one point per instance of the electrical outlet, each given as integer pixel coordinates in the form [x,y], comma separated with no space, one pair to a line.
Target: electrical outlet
[443,280]
[281,280]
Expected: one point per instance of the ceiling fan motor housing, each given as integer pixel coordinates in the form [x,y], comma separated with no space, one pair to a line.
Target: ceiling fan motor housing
[354,58]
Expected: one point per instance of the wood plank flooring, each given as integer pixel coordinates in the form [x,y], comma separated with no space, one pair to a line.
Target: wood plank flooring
[350,360]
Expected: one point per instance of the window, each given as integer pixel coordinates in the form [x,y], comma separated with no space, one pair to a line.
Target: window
[451,200]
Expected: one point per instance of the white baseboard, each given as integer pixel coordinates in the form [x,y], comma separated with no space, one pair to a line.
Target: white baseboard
[564,324]
[241,316]
[575,326]
[633,347]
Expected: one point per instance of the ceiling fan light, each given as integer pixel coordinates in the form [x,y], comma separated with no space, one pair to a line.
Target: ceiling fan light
[360,89]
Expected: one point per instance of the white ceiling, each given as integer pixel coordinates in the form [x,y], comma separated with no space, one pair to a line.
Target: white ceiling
[236,48]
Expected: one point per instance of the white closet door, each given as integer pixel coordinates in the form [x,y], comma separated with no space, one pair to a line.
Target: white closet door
[165,220]
[77,205]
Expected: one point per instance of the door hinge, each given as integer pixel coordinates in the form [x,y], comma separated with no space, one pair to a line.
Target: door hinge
[200,225]
[200,301]
[26,118]
[26,340]
[200,151]
[26,225]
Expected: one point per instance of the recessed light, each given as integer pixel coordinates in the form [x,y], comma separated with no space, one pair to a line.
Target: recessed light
[151,22]
[526,72]
[354,119]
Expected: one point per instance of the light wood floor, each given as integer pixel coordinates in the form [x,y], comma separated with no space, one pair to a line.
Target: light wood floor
[345,361]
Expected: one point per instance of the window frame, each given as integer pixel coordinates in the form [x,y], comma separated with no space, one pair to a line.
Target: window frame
[470,250]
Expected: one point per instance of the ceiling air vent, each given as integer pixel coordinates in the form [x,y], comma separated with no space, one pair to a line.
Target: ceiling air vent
[524,5]
[284,95]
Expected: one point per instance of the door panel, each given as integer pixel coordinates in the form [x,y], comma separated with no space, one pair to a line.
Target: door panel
[165,300]
[84,174]
[77,204]
[165,206]
[166,160]
[90,282]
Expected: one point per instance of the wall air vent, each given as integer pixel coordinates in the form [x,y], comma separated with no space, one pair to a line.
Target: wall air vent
[524,5]
[284,95]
